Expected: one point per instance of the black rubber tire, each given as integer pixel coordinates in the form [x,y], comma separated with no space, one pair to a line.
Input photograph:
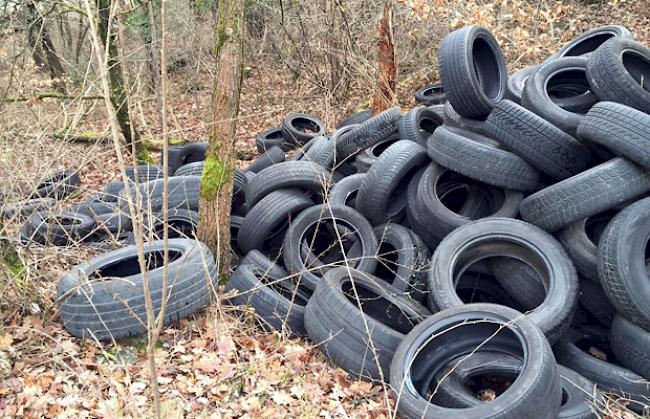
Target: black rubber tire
[188,153]
[506,237]
[482,201]
[591,192]
[272,156]
[57,185]
[622,265]
[293,241]
[516,83]
[430,94]
[382,195]
[537,141]
[580,239]
[473,71]
[270,213]
[595,301]
[235,224]
[302,175]
[344,192]
[274,137]
[191,169]
[368,133]
[59,229]
[630,344]
[263,267]
[619,128]
[145,173]
[115,307]
[24,209]
[619,71]
[589,41]
[183,192]
[355,118]
[401,262]
[295,126]
[536,97]
[111,191]
[454,119]
[418,124]
[276,307]
[608,376]
[460,151]
[458,331]
[369,156]
[319,150]
[350,337]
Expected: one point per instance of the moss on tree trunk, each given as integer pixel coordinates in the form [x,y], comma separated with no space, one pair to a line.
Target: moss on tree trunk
[216,182]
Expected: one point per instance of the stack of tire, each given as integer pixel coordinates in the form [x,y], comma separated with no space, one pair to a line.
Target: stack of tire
[528,192]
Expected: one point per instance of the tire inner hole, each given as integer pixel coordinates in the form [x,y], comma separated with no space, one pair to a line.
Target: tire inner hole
[589,44]
[488,386]
[486,68]
[639,68]
[130,266]
[325,244]
[388,257]
[378,307]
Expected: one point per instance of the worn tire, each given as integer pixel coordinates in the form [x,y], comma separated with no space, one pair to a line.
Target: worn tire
[418,124]
[316,215]
[344,192]
[115,308]
[295,126]
[622,262]
[355,118]
[516,83]
[57,185]
[619,128]
[382,195]
[473,71]
[495,237]
[591,192]
[630,344]
[458,331]
[537,141]
[366,134]
[618,72]
[271,156]
[459,151]
[59,229]
[336,321]
[430,94]
[589,41]
[274,137]
[276,307]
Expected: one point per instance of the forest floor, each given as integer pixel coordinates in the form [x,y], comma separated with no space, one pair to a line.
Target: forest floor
[212,364]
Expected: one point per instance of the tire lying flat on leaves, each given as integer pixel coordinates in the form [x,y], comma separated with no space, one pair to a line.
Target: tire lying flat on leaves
[622,262]
[591,192]
[459,151]
[59,229]
[104,297]
[277,307]
[345,302]
[504,237]
[299,128]
[619,70]
[431,94]
[473,71]
[382,195]
[537,141]
[270,138]
[458,331]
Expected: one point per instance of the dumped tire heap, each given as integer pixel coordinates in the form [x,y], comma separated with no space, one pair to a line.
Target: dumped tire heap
[490,245]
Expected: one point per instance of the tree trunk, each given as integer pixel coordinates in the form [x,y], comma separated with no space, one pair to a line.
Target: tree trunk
[216,183]
[119,97]
[386,68]
[43,50]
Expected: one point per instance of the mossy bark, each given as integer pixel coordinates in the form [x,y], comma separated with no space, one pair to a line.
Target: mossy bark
[119,97]
[216,182]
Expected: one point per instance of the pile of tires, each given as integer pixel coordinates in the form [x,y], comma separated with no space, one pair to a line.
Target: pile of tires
[492,241]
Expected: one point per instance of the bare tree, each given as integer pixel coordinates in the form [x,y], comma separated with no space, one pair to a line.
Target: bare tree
[386,68]
[40,43]
[119,96]
[216,184]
